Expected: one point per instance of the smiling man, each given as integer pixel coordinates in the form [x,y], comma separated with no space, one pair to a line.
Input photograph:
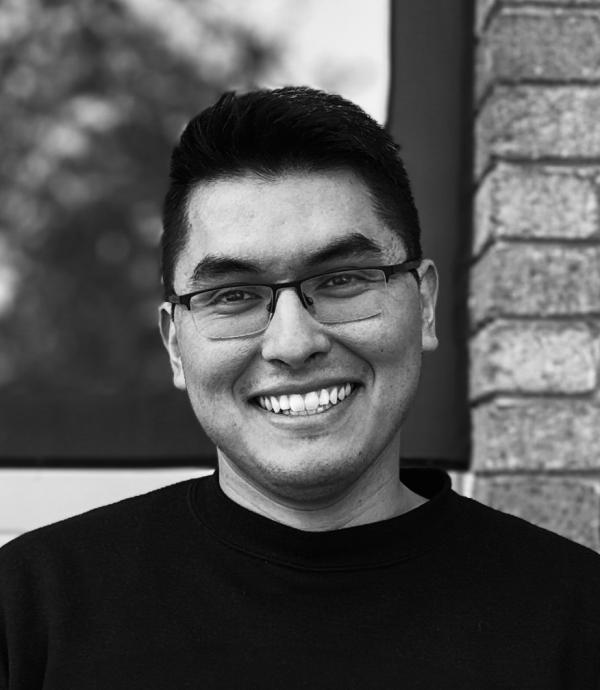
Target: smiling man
[303,389]
[297,309]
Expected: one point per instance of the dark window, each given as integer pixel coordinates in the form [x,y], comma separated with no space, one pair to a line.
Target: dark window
[430,116]
[91,108]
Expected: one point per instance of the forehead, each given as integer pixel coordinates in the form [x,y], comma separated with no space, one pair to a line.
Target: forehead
[280,224]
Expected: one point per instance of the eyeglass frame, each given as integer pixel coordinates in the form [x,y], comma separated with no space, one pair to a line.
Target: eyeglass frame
[388,271]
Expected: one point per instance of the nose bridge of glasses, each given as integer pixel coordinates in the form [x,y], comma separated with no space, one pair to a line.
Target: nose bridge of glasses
[296,287]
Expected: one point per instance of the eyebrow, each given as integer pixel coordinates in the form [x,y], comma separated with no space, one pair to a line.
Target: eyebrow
[219,267]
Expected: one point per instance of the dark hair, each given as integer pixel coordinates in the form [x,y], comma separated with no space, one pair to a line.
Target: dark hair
[269,133]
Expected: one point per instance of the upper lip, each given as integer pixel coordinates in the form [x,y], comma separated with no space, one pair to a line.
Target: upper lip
[302,388]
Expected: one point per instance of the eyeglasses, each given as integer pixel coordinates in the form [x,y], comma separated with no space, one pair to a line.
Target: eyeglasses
[341,296]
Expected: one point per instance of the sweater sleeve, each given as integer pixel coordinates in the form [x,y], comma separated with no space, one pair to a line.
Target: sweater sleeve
[7,594]
[8,598]
[22,638]
[3,625]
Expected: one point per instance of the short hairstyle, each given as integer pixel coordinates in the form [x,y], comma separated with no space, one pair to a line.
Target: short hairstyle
[270,133]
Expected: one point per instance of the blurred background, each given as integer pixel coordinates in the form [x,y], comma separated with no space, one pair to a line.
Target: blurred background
[94,96]
[495,105]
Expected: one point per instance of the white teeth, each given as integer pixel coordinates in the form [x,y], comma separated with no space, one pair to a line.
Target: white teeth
[311,401]
[309,404]
[297,403]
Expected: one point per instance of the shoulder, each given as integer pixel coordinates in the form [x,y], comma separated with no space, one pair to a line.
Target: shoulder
[97,529]
[531,550]
[512,565]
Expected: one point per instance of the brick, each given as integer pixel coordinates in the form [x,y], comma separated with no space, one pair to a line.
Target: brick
[482,12]
[537,122]
[568,506]
[533,357]
[519,279]
[539,44]
[563,3]
[536,434]
[537,202]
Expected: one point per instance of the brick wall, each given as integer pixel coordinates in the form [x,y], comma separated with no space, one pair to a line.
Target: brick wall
[535,282]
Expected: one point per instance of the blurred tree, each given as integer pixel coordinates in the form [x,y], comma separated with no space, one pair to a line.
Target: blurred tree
[94,95]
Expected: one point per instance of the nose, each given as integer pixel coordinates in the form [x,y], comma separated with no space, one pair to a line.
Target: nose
[293,336]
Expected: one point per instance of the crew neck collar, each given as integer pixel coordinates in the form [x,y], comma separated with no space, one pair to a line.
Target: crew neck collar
[362,546]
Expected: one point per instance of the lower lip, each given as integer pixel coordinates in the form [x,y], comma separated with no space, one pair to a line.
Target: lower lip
[311,420]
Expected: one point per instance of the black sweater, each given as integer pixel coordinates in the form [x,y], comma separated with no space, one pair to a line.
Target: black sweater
[183,588]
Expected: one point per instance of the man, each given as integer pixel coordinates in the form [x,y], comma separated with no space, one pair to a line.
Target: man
[297,308]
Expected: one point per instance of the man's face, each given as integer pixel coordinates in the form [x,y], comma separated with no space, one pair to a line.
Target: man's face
[283,227]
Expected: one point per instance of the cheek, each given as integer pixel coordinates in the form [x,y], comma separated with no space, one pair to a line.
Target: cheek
[401,337]
[212,367]
[389,341]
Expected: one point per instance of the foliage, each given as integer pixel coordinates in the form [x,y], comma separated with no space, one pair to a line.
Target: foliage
[94,95]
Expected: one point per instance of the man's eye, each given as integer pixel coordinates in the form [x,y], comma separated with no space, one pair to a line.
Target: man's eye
[344,280]
[233,300]
[338,280]
[233,296]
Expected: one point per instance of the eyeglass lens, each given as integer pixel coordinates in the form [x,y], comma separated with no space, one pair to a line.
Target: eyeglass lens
[341,297]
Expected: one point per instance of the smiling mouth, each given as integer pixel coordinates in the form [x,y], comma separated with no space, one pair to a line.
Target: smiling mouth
[315,402]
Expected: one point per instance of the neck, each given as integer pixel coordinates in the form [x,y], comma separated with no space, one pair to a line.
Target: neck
[377,495]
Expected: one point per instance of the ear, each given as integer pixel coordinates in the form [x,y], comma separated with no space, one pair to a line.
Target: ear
[429,291]
[169,338]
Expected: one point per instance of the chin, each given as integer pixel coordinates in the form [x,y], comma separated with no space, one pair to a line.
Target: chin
[311,475]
